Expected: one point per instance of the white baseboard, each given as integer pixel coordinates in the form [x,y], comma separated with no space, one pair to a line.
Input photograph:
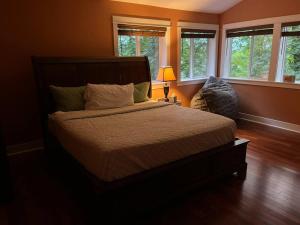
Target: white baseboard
[24,147]
[270,122]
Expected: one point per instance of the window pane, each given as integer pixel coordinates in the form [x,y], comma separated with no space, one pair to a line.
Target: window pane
[185,58]
[240,57]
[292,57]
[292,28]
[262,47]
[194,58]
[200,57]
[150,48]
[127,45]
[250,56]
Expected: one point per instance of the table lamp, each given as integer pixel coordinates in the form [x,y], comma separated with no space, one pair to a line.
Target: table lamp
[166,75]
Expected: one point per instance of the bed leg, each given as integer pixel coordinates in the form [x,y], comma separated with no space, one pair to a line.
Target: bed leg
[242,172]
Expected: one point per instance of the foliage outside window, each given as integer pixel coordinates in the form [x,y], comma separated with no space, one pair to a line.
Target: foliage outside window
[194,58]
[250,52]
[250,57]
[137,40]
[127,45]
[291,51]
[149,46]
[141,46]
[194,53]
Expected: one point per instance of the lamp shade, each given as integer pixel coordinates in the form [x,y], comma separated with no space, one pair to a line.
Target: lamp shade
[166,74]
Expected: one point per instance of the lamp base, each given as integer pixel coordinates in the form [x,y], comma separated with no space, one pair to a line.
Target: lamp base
[166,92]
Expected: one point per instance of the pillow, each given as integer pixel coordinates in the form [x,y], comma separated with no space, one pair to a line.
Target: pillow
[217,96]
[140,93]
[107,96]
[68,98]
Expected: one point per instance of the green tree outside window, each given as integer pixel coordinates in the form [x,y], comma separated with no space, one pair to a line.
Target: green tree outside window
[148,46]
[292,54]
[250,56]
[194,58]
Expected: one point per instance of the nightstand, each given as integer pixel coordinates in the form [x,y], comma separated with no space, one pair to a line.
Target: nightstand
[178,102]
[5,187]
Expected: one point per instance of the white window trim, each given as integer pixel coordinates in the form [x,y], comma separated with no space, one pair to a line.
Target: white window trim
[263,83]
[189,82]
[273,79]
[212,53]
[157,84]
[164,60]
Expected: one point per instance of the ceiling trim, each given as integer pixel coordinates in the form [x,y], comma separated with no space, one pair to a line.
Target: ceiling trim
[204,6]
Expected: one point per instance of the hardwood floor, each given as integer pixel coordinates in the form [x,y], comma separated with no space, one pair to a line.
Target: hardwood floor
[270,195]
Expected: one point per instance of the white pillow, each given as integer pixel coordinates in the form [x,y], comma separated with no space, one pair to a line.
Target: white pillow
[106,96]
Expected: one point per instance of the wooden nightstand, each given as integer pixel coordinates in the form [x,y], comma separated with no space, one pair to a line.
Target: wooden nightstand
[178,102]
[5,187]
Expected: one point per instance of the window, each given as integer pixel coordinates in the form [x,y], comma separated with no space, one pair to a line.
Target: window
[149,46]
[249,52]
[142,37]
[141,46]
[196,48]
[290,50]
[127,45]
[264,52]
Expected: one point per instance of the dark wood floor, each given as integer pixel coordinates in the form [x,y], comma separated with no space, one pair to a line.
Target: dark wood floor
[269,195]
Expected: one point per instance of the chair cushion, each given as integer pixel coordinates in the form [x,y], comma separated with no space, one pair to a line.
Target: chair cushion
[217,96]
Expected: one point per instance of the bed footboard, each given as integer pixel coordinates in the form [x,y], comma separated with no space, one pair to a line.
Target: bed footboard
[124,199]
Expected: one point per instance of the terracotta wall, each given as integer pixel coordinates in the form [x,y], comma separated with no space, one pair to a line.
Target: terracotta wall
[63,28]
[84,28]
[276,103]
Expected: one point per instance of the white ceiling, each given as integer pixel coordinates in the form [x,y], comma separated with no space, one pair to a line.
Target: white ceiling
[209,6]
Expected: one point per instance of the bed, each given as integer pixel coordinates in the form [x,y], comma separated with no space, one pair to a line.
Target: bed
[132,158]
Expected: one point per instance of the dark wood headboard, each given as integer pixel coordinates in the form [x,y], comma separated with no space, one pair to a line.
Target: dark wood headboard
[73,72]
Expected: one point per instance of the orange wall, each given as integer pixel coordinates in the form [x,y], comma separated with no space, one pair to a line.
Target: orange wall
[258,9]
[84,28]
[63,28]
[276,103]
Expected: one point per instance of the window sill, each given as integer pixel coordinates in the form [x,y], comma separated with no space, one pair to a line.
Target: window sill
[157,85]
[264,83]
[189,82]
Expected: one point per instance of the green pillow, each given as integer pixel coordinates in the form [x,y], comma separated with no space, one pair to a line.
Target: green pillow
[68,98]
[140,93]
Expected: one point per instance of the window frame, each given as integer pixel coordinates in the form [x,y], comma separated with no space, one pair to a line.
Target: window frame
[138,50]
[164,43]
[277,53]
[282,58]
[212,51]
[251,59]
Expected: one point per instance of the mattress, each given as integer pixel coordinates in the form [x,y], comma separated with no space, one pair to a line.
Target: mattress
[116,143]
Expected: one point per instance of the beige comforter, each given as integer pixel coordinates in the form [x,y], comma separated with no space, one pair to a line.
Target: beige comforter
[116,143]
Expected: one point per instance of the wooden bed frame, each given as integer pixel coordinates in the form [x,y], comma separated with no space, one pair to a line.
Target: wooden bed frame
[124,198]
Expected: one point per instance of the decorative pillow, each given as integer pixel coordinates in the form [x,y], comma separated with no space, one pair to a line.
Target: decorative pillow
[217,96]
[106,96]
[140,93]
[68,98]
